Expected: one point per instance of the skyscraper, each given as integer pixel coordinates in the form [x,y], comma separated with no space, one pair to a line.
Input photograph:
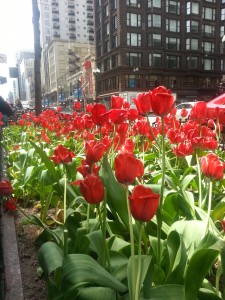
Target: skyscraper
[67,20]
[67,36]
[141,44]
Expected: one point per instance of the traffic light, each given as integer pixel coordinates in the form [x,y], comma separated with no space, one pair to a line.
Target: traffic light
[3,80]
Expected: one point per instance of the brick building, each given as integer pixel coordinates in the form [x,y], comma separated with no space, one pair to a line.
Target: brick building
[141,44]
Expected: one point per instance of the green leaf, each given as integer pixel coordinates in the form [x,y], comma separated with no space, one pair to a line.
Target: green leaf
[186,181]
[116,196]
[168,292]
[97,243]
[50,257]
[186,230]
[178,258]
[47,161]
[145,263]
[81,269]
[199,264]
[218,211]
[205,294]
[97,293]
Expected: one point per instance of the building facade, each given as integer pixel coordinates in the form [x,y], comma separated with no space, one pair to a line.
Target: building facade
[141,44]
[67,36]
[25,64]
[71,20]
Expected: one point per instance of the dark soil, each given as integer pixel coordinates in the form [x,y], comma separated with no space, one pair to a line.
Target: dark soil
[33,286]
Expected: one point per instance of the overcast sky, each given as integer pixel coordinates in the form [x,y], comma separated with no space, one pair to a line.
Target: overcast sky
[16,33]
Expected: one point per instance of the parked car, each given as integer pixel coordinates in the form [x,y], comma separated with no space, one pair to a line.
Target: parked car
[216,109]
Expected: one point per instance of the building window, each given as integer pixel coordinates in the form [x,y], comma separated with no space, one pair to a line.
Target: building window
[173,7]
[114,42]
[132,81]
[173,62]
[208,64]
[214,1]
[133,39]
[222,14]
[208,30]
[154,40]
[208,47]
[192,44]
[115,82]
[134,59]
[135,3]
[106,46]
[114,22]
[192,8]
[209,13]
[115,61]
[99,35]
[154,20]
[106,11]
[133,20]
[173,43]
[106,29]
[192,26]
[155,60]
[155,3]
[192,62]
[106,64]
[172,25]
[113,4]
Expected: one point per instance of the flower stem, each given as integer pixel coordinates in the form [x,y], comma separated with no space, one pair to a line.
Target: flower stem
[102,222]
[209,207]
[88,216]
[199,182]
[159,211]
[131,245]
[65,231]
[137,287]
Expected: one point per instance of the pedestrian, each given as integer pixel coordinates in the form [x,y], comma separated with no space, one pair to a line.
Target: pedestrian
[18,104]
[5,109]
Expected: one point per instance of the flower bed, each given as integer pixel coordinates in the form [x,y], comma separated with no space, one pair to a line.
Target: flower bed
[127,210]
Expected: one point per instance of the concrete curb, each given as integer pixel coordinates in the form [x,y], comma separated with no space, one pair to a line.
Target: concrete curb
[13,279]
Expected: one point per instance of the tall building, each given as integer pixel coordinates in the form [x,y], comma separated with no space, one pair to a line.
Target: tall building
[67,36]
[25,63]
[67,20]
[141,44]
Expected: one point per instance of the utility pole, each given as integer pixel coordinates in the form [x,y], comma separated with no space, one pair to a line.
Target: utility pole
[37,58]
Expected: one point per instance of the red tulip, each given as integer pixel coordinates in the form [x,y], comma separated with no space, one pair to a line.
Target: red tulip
[199,112]
[162,101]
[143,103]
[94,151]
[143,203]
[184,112]
[98,114]
[116,102]
[127,168]
[62,155]
[5,188]
[212,167]
[77,105]
[92,189]
[223,224]
[117,116]
[10,204]
[183,150]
